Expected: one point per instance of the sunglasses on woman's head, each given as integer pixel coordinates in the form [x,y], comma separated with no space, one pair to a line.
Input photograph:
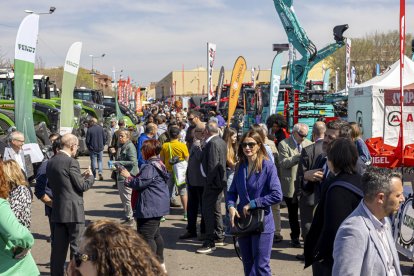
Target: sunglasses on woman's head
[79,258]
[250,145]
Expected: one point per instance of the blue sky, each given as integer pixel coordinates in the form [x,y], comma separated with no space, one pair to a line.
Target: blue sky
[148,39]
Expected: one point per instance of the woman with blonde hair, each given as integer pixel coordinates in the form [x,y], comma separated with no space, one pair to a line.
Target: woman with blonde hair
[230,137]
[15,239]
[110,248]
[20,197]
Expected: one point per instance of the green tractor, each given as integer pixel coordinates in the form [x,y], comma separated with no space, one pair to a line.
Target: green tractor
[42,111]
[96,97]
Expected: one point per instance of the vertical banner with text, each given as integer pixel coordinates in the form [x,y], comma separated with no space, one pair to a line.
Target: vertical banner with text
[24,59]
[120,99]
[25,54]
[128,93]
[347,65]
[219,87]
[236,83]
[326,80]
[274,83]
[252,77]
[394,119]
[70,73]
[211,55]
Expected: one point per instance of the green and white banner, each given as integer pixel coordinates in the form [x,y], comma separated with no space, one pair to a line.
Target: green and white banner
[24,59]
[25,54]
[70,73]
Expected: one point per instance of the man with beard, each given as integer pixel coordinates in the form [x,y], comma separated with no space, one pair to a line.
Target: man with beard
[194,118]
[364,244]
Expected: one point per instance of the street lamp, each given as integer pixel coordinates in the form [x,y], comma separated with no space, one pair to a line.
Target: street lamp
[92,72]
[51,10]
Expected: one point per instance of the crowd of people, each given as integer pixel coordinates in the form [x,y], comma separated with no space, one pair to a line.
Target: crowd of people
[334,198]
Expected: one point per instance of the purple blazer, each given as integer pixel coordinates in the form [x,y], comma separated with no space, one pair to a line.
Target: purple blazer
[263,187]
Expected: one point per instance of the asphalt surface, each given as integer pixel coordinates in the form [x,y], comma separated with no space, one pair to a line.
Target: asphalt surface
[102,201]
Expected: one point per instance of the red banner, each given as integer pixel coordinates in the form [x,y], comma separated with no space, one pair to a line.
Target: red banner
[128,92]
[120,92]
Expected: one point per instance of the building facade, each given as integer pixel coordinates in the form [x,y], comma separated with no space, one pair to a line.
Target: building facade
[194,82]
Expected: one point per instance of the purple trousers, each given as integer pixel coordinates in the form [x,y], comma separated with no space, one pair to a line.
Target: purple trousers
[255,251]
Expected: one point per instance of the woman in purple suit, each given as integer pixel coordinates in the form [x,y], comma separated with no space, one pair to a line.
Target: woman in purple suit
[256,185]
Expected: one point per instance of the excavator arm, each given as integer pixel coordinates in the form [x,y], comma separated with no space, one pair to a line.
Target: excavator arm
[296,35]
[325,52]
[300,41]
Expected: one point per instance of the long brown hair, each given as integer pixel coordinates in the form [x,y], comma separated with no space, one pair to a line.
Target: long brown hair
[231,148]
[261,153]
[4,186]
[14,174]
[119,250]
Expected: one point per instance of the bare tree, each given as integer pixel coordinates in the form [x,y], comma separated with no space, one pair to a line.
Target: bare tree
[366,53]
[4,61]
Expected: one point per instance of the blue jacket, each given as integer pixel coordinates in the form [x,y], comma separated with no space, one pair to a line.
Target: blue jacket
[263,191]
[153,194]
[95,138]
[363,151]
[142,138]
[42,186]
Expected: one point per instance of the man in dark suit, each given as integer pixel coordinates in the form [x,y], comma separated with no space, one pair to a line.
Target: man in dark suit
[304,189]
[213,169]
[320,172]
[67,184]
[195,184]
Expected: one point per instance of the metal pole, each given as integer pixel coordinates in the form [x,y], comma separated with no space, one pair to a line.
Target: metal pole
[93,75]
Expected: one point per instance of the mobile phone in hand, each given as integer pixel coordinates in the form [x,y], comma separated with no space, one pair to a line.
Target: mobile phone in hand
[119,167]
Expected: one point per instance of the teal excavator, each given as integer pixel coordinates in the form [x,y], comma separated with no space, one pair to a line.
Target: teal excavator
[299,103]
[299,69]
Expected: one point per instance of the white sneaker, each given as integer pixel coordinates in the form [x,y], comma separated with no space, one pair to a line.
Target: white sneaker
[163,267]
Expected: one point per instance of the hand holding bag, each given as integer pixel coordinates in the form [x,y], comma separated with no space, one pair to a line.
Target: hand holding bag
[252,224]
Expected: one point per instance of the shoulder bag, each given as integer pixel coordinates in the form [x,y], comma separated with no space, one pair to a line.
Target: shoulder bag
[179,169]
[253,224]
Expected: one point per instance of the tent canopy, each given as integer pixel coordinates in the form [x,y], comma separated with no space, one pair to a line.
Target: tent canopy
[390,78]
[368,107]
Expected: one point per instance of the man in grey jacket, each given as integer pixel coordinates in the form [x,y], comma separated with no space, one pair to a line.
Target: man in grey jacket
[363,244]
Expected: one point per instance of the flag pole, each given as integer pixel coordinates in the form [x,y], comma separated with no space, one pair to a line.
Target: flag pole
[402,48]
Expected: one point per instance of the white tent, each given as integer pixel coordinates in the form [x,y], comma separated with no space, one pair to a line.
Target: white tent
[378,115]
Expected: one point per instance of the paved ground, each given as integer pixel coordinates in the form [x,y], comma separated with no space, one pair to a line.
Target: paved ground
[103,202]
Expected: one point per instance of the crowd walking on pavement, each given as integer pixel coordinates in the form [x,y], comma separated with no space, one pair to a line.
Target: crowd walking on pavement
[335,199]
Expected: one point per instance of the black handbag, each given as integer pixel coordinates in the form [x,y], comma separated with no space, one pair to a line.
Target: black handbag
[251,225]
